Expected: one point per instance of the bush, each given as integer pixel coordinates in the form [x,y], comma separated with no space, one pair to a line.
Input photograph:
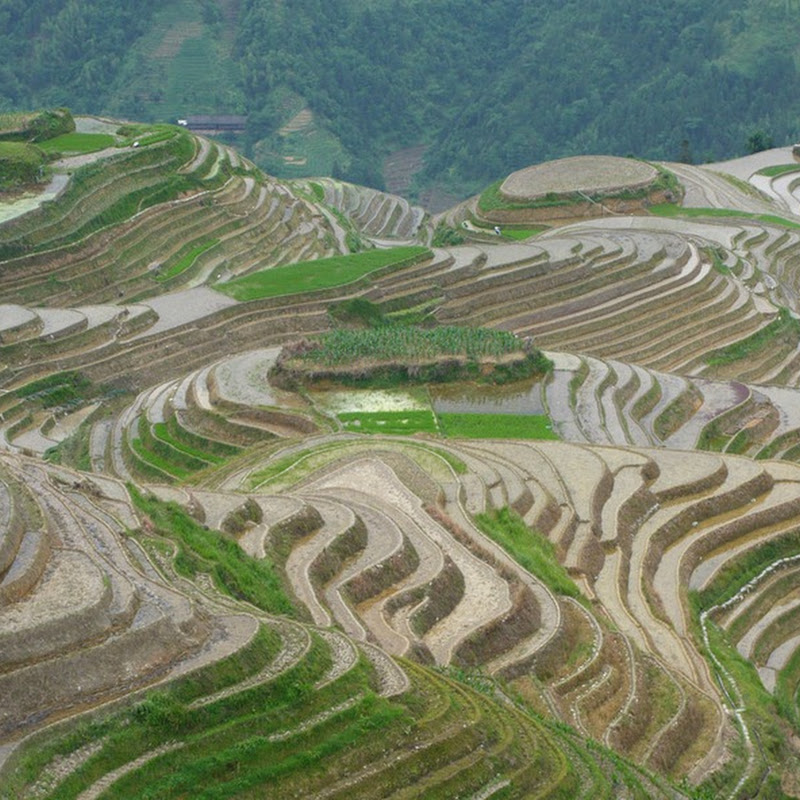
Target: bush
[37,126]
[20,163]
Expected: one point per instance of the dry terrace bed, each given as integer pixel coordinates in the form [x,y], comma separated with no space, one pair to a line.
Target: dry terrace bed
[580,173]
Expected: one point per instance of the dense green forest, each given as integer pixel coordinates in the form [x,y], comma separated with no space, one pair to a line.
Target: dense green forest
[488,87]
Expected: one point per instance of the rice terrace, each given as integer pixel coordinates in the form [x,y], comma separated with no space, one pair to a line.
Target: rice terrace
[308,492]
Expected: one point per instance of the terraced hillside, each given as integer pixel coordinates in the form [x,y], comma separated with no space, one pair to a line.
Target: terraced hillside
[229,585]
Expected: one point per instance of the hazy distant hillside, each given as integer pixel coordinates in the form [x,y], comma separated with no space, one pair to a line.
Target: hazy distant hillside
[337,86]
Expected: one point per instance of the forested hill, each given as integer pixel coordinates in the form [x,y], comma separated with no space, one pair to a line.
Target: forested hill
[338,85]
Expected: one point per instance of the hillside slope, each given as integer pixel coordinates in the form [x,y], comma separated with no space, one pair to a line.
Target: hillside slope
[239,580]
[482,90]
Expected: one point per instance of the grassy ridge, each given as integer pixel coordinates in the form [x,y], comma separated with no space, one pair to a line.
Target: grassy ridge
[201,550]
[324,273]
[530,549]
[785,325]
[102,194]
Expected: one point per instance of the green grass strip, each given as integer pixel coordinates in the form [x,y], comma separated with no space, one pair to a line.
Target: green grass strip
[161,432]
[394,422]
[672,210]
[187,260]
[518,234]
[78,143]
[174,459]
[214,447]
[324,273]
[497,426]
[528,548]
[741,570]
[154,460]
[208,551]
[778,169]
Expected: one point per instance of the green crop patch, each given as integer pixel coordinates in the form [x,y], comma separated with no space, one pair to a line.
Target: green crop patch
[78,143]
[496,426]
[389,343]
[519,234]
[393,422]
[61,388]
[324,273]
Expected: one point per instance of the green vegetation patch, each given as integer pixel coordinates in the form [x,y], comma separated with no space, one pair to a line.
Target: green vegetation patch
[741,570]
[394,355]
[78,143]
[165,468]
[206,551]
[784,326]
[61,388]
[497,426]
[391,422]
[518,234]
[161,432]
[36,126]
[20,163]
[317,191]
[530,549]
[392,343]
[445,236]
[186,261]
[778,169]
[324,273]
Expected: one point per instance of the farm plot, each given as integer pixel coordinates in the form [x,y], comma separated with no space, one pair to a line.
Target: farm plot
[322,274]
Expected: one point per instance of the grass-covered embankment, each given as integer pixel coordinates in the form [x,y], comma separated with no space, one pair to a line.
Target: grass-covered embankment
[784,330]
[529,549]
[206,551]
[20,164]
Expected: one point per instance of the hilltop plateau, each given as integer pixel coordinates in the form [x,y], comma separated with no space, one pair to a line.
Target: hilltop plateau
[444,579]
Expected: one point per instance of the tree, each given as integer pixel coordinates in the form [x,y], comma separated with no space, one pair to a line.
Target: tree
[759,140]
